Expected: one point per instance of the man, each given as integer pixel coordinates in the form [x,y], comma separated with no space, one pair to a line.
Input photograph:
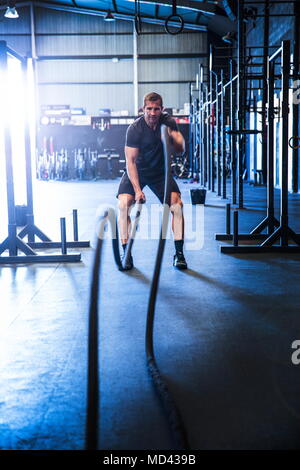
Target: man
[145,166]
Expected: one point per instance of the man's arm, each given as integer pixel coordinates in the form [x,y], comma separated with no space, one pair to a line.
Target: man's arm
[131,155]
[177,140]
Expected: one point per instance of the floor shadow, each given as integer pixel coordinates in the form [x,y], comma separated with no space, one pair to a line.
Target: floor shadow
[137,274]
[193,273]
[215,206]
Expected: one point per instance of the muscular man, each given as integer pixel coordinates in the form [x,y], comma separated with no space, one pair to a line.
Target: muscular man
[145,166]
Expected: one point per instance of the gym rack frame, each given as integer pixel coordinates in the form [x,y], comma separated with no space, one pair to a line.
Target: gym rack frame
[277,229]
[14,242]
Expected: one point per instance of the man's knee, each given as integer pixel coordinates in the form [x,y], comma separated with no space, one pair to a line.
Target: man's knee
[125,202]
[176,203]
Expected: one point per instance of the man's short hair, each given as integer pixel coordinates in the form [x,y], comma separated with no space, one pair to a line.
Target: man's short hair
[153,97]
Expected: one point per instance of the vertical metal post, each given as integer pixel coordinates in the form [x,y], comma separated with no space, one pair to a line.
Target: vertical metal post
[211,126]
[232,139]
[201,153]
[228,228]
[191,134]
[295,106]
[240,100]
[255,136]
[34,57]
[29,190]
[222,141]
[264,148]
[203,146]
[199,124]
[217,137]
[285,71]
[197,141]
[63,236]
[135,72]
[208,143]
[194,138]
[202,127]
[12,228]
[32,32]
[270,142]
[75,225]
[235,228]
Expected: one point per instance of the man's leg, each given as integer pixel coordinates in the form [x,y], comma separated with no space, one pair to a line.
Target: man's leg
[126,202]
[178,229]
[177,217]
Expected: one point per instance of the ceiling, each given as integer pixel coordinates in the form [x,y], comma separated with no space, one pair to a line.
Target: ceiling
[197,15]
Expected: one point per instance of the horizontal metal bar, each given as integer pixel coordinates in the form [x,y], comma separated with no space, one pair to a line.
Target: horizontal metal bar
[69,34]
[84,57]
[15,54]
[192,55]
[83,83]
[243,131]
[134,117]
[263,47]
[222,47]
[259,249]
[222,56]
[42,245]
[276,54]
[259,77]
[121,57]
[232,80]
[166,82]
[241,236]
[274,2]
[74,258]
[270,15]
[161,82]
[121,33]
[248,47]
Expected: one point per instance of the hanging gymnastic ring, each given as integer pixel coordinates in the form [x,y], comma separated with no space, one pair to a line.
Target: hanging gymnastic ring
[294,147]
[138,24]
[181,26]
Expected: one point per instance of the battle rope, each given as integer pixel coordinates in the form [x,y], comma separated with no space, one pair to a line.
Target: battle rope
[172,413]
[173,416]
[91,436]
[91,428]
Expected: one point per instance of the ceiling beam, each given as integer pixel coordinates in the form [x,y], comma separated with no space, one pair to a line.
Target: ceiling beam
[198,18]
[204,7]
[115,6]
[119,16]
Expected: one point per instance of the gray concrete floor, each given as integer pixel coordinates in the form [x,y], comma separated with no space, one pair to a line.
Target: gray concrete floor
[223,335]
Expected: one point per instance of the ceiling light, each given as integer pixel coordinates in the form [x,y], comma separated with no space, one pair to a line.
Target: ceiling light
[109,16]
[11,11]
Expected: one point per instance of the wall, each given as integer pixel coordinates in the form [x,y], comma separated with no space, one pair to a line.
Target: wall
[70,71]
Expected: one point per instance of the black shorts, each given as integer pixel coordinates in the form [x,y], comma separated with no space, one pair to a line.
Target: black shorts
[157,185]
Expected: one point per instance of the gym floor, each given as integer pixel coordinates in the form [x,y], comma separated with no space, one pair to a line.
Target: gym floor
[223,335]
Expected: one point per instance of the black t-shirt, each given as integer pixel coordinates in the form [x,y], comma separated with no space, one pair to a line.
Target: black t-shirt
[150,161]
